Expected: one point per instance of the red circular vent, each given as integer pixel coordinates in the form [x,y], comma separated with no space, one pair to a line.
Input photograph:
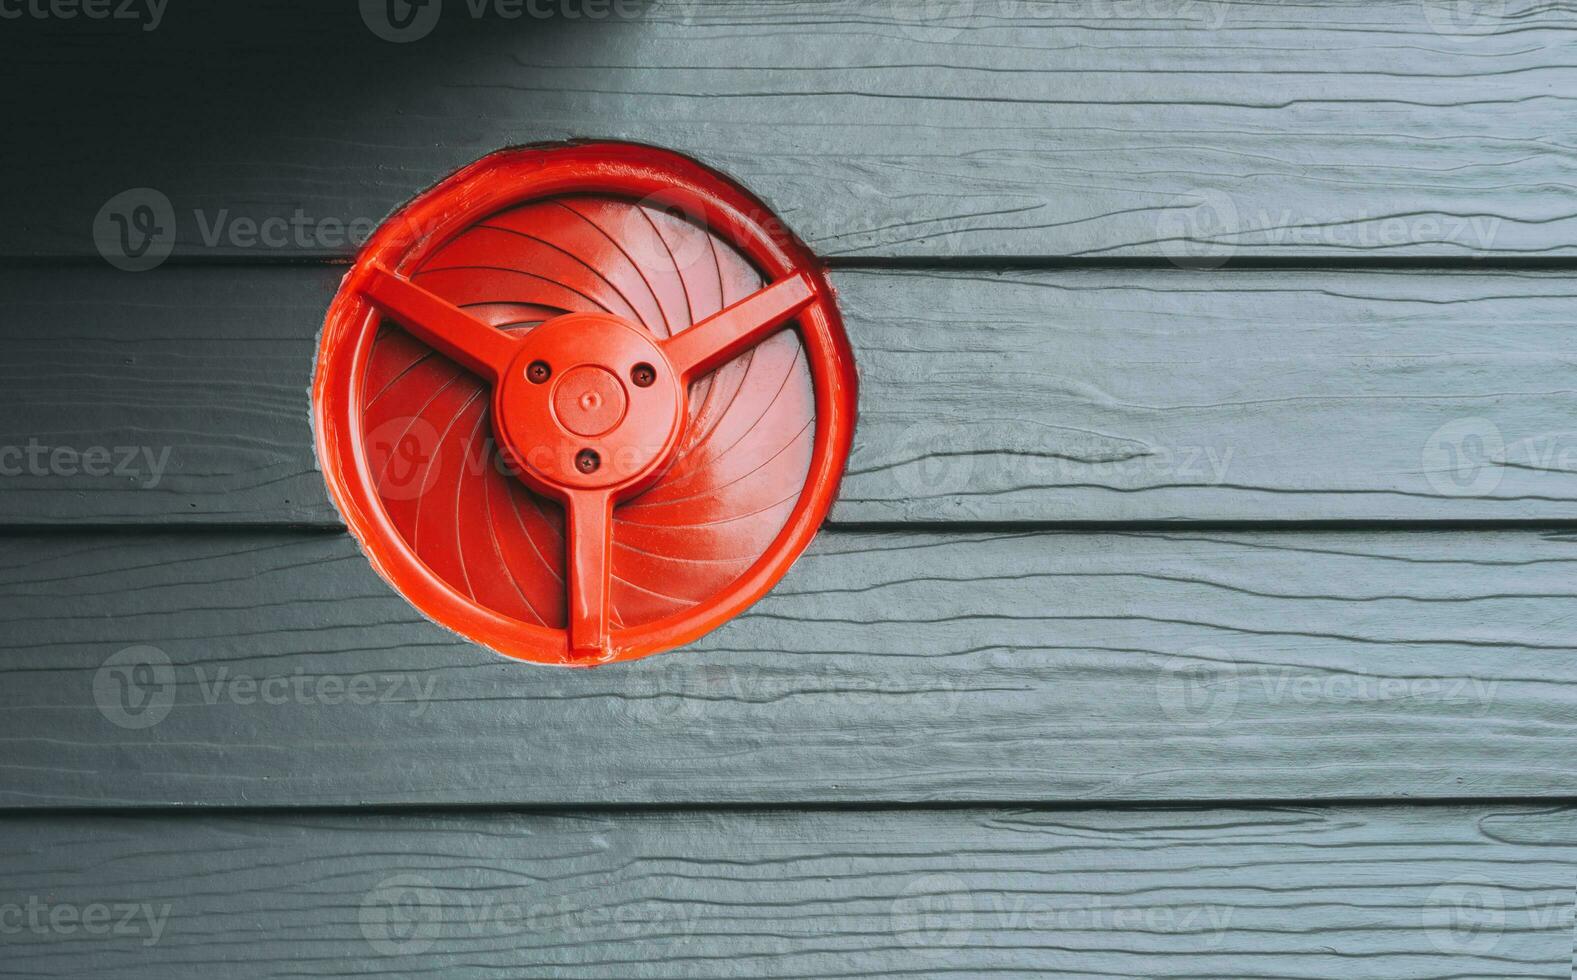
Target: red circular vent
[583,403]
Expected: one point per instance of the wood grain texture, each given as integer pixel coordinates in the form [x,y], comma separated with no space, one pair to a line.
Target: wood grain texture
[213,665]
[1291,892]
[1278,395]
[1198,129]
[1011,396]
[192,387]
[885,667]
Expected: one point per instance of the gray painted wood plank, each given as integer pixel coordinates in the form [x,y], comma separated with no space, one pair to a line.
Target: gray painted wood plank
[1118,395]
[273,668]
[1012,396]
[172,397]
[1199,129]
[1288,892]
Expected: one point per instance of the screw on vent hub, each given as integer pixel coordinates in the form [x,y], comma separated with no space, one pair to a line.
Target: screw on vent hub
[582,403]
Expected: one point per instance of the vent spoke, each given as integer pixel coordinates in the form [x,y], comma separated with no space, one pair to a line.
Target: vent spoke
[440,324]
[714,340]
[589,530]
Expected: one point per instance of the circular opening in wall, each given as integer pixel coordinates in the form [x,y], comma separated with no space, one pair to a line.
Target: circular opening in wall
[583,403]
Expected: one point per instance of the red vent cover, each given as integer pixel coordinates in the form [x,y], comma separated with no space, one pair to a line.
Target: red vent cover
[584,403]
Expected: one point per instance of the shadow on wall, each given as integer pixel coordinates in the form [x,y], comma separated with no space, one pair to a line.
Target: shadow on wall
[152,94]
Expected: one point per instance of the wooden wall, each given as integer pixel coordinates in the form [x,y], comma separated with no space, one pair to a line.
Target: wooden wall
[1200,600]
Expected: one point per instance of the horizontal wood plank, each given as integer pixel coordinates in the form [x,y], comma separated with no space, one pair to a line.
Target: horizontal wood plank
[1290,892]
[273,668]
[180,396]
[1276,395]
[1009,396]
[1196,129]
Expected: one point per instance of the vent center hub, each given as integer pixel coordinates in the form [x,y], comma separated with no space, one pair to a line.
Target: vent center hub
[589,400]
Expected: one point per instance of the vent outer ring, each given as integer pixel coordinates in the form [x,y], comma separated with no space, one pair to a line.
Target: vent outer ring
[512,177]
